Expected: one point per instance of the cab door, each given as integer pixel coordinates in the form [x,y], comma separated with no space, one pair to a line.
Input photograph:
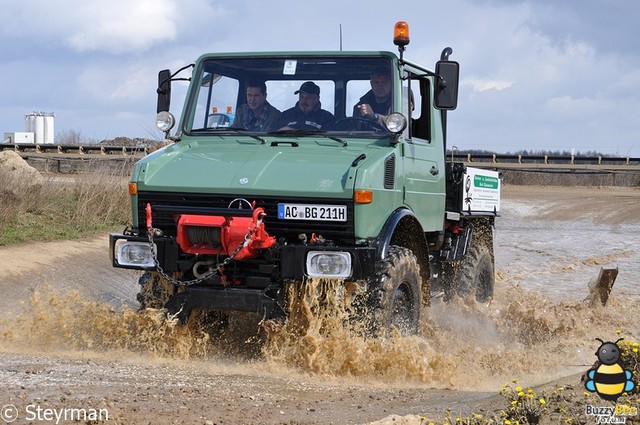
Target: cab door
[423,156]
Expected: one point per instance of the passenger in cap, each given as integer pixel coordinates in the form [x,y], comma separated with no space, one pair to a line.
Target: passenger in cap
[307,114]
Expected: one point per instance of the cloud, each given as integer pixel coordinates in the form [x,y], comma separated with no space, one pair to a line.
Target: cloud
[112,26]
[119,26]
[133,82]
[480,84]
[567,105]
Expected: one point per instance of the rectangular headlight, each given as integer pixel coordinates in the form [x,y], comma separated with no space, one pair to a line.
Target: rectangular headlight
[328,264]
[136,254]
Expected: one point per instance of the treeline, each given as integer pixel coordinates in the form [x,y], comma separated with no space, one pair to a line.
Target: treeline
[525,152]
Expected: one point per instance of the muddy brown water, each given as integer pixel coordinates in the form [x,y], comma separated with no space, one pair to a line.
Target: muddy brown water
[70,336]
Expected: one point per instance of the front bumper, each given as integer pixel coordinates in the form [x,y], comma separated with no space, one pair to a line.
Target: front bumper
[290,260]
[261,286]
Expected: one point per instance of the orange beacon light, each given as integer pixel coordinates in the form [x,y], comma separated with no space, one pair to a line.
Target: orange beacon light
[401,33]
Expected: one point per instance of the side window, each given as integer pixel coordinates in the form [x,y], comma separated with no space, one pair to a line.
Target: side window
[216,104]
[415,95]
[355,90]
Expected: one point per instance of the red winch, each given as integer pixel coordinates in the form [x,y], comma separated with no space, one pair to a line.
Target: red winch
[205,234]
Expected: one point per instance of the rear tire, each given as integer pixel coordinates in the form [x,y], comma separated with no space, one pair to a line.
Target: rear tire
[395,298]
[475,274]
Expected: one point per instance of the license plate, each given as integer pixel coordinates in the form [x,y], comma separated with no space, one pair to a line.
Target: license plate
[312,212]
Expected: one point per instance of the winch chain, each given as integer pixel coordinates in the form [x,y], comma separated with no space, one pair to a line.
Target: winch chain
[210,273]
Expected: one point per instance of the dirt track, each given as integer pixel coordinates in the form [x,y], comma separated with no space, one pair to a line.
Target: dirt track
[239,386]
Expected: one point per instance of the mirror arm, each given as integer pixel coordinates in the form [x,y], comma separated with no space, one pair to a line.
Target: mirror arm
[446,52]
[170,78]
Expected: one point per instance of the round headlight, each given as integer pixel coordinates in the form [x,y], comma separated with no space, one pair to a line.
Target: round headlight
[396,122]
[165,121]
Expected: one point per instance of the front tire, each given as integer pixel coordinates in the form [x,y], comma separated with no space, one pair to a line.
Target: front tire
[155,290]
[396,296]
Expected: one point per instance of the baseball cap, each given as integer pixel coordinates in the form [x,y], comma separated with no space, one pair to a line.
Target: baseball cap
[308,87]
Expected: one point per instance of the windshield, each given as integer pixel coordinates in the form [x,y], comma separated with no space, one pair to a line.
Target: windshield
[293,96]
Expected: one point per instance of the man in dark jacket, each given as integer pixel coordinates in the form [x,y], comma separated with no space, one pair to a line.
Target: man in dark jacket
[376,103]
[307,114]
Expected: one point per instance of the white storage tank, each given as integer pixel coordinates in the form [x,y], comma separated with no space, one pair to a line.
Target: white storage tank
[48,129]
[29,123]
[41,124]
[38,130]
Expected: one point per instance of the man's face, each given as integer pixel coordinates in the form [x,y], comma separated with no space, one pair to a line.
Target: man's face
[307,102]
[255,98]
[381,85]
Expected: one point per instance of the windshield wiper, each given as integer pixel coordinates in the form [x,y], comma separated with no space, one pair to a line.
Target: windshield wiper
[236,130]
[240,130]
[297,132]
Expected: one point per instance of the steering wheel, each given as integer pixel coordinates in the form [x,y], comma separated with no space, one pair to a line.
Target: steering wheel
[358,124]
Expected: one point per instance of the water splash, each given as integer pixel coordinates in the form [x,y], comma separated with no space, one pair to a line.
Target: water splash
[466,345]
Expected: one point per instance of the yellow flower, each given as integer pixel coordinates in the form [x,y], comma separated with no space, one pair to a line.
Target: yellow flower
[521,394]
[507,422]
[518,388]
[618,332]
[634,349]
[635,344]
[542,401]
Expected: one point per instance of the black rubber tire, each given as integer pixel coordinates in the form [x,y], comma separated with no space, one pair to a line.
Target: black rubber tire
[155,290]
[395,299]
[475,275]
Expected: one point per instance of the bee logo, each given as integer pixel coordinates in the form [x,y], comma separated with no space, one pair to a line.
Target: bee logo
[609,379]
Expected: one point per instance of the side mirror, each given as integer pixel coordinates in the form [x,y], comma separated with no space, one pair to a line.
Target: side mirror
[164,90]
[446,93]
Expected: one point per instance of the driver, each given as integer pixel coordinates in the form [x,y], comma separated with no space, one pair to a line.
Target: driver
[376,103]
[307,114]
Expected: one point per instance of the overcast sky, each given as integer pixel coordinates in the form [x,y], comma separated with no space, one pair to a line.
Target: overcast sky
[536,75]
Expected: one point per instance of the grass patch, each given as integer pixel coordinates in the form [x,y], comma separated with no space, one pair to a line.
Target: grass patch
[65,208]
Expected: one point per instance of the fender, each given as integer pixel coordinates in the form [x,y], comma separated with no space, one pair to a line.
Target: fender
[402,222]
[403,228]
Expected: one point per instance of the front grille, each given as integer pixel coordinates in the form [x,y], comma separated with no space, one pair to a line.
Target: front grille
[165,218]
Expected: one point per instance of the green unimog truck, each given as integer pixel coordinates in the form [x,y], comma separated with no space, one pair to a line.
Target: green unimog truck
[226,218]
